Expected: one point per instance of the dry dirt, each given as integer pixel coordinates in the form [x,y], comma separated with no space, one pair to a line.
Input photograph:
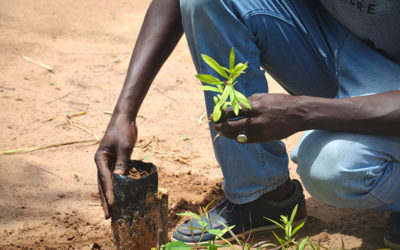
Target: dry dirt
[48,198]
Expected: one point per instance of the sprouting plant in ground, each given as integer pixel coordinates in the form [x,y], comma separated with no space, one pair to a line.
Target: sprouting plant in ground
[287,225]
[206,223]
[76,177]
[225,87]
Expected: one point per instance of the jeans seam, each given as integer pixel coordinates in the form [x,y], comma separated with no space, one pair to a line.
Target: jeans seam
[376,198]
[266,12]
[337,54]
[375,194]
[246,51]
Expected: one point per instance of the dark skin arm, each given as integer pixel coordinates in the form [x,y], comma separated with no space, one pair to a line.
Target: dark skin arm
[277,116]
[160,33]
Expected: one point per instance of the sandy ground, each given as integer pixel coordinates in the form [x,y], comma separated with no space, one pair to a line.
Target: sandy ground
[48,198]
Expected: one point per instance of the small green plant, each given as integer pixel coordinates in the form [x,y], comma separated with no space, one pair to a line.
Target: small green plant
[286,243]
[204,221]
[287,226]
[225,87]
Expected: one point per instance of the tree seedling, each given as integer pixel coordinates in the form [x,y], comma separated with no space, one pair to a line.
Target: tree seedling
[286,225]
[225,88]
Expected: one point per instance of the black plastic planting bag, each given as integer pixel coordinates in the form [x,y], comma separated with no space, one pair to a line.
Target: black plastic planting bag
[134,214]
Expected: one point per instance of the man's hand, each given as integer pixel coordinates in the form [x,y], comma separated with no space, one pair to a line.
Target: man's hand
[113,154]
[277,116]
[271,118]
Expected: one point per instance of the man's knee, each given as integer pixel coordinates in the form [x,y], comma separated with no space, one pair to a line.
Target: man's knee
[337,169]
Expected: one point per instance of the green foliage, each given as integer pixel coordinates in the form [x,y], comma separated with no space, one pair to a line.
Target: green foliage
[227,95]
[204,222]
[287,226]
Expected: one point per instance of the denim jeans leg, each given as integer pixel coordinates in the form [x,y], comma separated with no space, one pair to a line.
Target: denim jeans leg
[213,28]
[351,170]
[354,170]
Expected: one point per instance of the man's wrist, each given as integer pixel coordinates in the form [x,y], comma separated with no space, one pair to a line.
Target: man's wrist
[300,113]
[125,110]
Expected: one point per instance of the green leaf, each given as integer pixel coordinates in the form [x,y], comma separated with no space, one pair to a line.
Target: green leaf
[297,228]
[303,243]
[247,246]
[190,214]
[212,247]
[311,245]
[202,223]
[226,93]
[217,112]
[226,69]
[210,88]
[209,79]
[216,232]
[242,99]
[226,104]
[213,64]
[293,214]
[230,232]
[215,99]
[208,205]
[232,59]
[234,103]
[277,223]
[176,245]
[282,242]
[239,69]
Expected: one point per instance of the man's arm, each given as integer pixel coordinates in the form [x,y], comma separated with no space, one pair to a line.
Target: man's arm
[160,32]
[277,116]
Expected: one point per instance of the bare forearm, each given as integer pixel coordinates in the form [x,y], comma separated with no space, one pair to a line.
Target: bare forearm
[375,114]
[160,32]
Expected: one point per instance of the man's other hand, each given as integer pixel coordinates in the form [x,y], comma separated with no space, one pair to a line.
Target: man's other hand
[112,155]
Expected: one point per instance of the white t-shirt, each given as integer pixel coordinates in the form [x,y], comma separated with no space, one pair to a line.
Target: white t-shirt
[375,21]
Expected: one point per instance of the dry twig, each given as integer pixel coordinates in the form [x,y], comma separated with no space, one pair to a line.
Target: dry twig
[50,69]
[77,125]
[53,145]
[69,116]
[59,98]
[34,148]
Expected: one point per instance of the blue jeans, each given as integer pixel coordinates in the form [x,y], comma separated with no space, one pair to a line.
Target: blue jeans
[303,47]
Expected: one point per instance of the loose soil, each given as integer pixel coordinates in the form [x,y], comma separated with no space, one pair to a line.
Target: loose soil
[138,173]
[48,198]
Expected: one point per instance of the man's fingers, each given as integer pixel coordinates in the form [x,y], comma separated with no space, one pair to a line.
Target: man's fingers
[103,200]
[229,127]
[104,176]
[122,164]
[228,114]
